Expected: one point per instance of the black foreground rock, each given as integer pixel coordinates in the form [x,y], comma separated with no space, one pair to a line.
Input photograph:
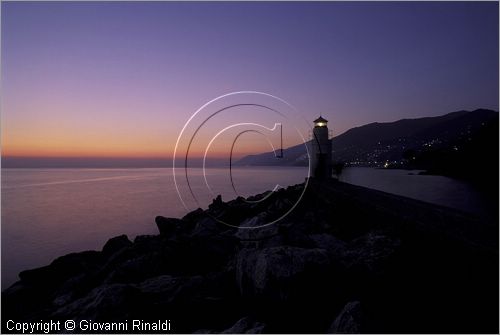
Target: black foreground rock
[347,259]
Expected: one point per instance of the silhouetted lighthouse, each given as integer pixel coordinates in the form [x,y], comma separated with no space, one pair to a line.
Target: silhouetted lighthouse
[321,150]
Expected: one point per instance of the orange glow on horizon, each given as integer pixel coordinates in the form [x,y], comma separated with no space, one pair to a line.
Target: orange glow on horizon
[53,142]
[73,151]
[63,135]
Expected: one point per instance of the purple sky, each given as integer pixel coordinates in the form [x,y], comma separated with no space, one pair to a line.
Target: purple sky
[121,79]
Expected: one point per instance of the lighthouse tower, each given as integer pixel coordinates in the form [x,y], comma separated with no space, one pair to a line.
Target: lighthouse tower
[321,150]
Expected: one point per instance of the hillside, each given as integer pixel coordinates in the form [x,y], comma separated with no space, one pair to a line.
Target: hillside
[376,143]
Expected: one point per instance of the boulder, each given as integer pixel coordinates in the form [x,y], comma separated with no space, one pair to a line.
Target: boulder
[276,273]
[217,204]
[166,289]
[115,244]
[296,234]
[205,331]
[335,247]
[24,301]
[194,216]
[63,268]
[205,253]
[246,325]
[194,302]
[106,302]
[348,320]
[207,227]
[136,269]
[370,253]
[256,228]
[167,226]
[160,284]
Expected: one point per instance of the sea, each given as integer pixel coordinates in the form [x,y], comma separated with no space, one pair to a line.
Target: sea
[46,213]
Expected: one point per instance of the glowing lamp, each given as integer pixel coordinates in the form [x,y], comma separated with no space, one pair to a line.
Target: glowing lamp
[320,122]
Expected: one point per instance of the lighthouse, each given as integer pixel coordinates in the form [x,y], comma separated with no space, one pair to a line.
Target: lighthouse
[321,150]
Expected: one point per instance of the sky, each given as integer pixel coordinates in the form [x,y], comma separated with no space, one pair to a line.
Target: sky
[120,79]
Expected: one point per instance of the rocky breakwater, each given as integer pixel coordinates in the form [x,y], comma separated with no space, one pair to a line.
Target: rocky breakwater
[346,260]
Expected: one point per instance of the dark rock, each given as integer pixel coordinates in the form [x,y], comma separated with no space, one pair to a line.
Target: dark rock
[150,241]
[348,321]
[206,253]
[236,211]
[205,331]
[217,204]
[72,288]
[207,227]
[297,234]
[137,269]
[246,325]
[63,299]
[24,300]
[63,268]
[160,284]
[276,273]
[167,226]
[194,215]
[256,228]
[330,243]
[143,246]
[166,289]
[106,302]
[194,302]
[254,222]
[371,252]
[115,244]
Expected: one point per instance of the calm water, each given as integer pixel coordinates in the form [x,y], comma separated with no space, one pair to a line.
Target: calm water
[50,212]
[438,190]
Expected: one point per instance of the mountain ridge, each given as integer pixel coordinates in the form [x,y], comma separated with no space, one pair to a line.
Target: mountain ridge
[375,143]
